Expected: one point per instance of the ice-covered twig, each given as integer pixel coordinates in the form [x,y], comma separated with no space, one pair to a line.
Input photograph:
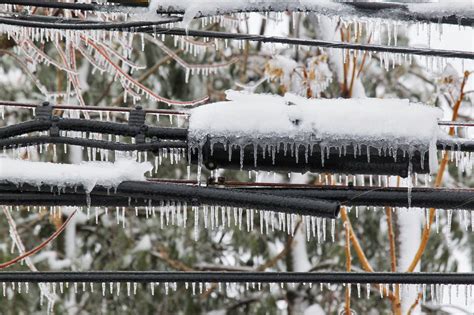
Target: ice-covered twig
[191,68]
[20,245]
[139,87]
[26,255]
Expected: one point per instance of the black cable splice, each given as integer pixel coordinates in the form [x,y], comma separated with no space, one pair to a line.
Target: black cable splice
[137,119]
[192,195]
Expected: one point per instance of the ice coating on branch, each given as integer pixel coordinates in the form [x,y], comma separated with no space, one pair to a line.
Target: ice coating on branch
[86,174]
[305,79]
[269,120]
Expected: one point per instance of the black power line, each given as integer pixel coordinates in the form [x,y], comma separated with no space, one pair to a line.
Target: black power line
[392,11]
[439,198]
[241,277]
[363,159]
[93,6]
[144,27]
[118,109]
[155,192]
[376,10]
[312,42]
[76,24]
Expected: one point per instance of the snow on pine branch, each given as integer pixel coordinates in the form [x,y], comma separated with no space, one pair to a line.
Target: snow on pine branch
[86,174]
[268,120]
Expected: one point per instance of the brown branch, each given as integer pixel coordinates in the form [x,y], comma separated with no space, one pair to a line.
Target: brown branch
[272,262]
[439,178]
[391,238]
[164,255]
[364,58]
[348,267]
[41,246]
[360,252]
[355,242]
[146,75]
[413,306]
[396,305]
[354,68]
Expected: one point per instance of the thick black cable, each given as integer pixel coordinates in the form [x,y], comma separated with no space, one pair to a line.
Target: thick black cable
[376,10]
[67,24]
[241,277]
[103,127]
[161,133]
[456,144]
[94,6]
[91,108]
[393,11]
[21,142]
[311,42]
[461,199]
[193,196]
[439,198]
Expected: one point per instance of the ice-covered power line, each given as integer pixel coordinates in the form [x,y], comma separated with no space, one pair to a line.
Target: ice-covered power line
[155,28]
[119,109]
[416,12]
[98,108]
[110,6]
[459,12]
[154,194]
[242,277]
[312,43]
[290,134]
[55,23]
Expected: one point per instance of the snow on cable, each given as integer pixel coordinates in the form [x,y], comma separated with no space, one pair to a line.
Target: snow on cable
[86,174]
[265,120]
[441,8]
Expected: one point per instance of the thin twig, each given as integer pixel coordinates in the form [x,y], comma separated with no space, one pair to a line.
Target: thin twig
[39,247]
[348,266]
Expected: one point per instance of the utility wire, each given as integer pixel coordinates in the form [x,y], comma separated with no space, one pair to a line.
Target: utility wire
[311,42]
[58,23]
[393,11]
[93,6]
[241,277]
[99,108]
[162,111]
[23,142]
[10,135]
[375,10]
[143,27]
[156,191]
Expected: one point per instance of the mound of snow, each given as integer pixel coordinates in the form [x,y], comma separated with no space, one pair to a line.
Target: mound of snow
[269,120]
[86,174]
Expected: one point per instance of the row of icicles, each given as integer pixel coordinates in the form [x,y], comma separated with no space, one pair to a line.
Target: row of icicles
[195,48]
[436,293]
[220,218]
